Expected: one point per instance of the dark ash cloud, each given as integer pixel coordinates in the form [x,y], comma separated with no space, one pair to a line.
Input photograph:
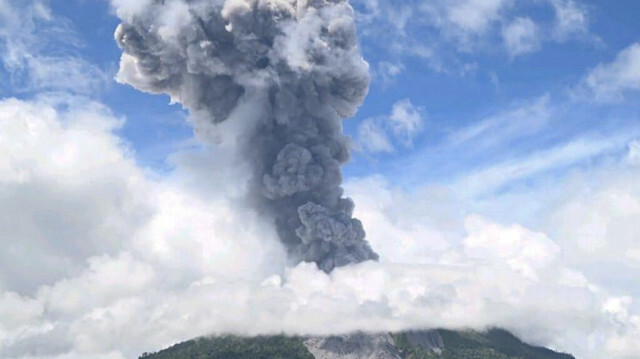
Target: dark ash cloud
[295,68]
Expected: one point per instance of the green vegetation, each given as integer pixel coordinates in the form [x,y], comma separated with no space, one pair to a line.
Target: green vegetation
[493,344]
[231,347]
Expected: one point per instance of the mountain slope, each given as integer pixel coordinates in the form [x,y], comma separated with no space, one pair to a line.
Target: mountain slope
[441,344]
[493,344]
[231,347]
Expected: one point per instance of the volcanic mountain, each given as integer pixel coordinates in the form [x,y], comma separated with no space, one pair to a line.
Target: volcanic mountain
[431,344]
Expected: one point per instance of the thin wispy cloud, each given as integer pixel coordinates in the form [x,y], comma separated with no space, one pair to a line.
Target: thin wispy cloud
[449,31]
[40,51]
[499,130]
[495,177]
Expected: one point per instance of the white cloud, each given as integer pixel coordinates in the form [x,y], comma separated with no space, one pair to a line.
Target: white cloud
[202,263]
[633,157]
[533,264]
[126,9]
[450,31]
[389,71]
[521,37]
[373,137]
[609,82]
[585,220]
[522,250]
[474,16]
[496,177]
[88,237]
[31,38]
[571,19]
[81,201]
[600,223]
[404,123]
[463,22]
[522,120]
[418,227]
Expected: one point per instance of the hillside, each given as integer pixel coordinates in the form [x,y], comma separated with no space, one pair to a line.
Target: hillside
[442,344]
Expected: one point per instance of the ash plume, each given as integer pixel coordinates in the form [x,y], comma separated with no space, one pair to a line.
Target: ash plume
[296,64]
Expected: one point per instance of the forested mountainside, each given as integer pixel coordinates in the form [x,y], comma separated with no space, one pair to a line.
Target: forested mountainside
[432,344]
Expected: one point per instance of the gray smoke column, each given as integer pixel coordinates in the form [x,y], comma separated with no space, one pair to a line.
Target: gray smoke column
[296,63]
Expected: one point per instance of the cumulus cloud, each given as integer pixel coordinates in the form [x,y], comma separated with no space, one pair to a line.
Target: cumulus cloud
[599,224]
[609,82]
[406,121]
[188,268]
[85,231]
[82,201]
[403,124]
[584,229]
[521,37]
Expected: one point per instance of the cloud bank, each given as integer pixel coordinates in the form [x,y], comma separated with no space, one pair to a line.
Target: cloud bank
[185,267]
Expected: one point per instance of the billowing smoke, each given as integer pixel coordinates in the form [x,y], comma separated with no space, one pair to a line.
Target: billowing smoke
[296,64]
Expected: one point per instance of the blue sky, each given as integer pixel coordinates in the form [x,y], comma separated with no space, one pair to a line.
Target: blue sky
[496,157]
[469,76]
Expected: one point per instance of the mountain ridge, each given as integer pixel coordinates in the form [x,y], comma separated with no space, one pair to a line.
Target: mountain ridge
[427,344]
